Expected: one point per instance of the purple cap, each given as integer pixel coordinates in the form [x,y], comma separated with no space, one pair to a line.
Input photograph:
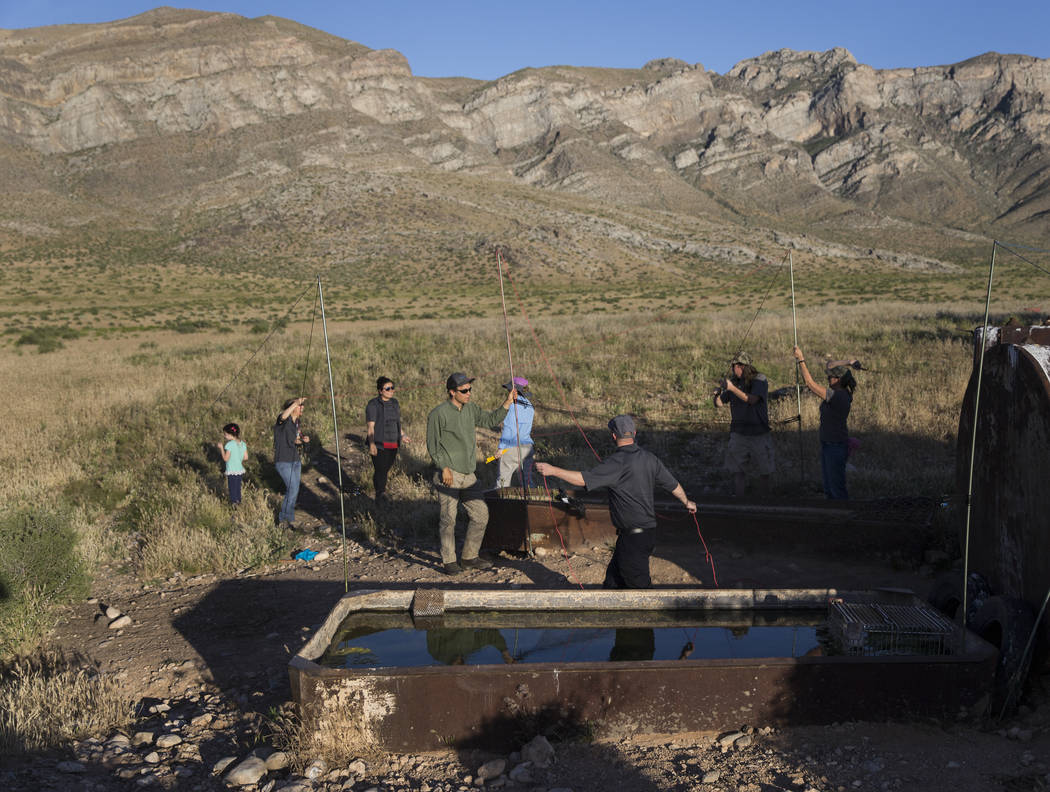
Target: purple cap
[520,383]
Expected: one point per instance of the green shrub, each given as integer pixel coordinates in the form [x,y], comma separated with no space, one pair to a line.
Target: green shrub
[39,571]
[47,339]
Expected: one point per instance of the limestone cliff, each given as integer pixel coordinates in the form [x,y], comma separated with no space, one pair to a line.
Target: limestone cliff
[214,101]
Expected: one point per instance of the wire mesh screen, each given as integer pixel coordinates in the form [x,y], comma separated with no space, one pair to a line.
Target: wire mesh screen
[879,629]
[428,603]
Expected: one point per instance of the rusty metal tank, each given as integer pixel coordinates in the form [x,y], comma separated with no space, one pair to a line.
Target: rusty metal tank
[1010,509]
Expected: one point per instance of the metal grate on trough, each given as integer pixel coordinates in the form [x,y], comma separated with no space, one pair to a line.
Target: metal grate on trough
[869,629]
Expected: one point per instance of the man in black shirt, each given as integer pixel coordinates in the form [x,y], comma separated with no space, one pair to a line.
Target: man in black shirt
[631,474]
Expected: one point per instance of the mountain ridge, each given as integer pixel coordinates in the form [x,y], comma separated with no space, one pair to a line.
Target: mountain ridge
[187,120]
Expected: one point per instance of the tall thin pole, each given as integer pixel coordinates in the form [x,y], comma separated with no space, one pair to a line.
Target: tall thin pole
[335,429]
[514,406]
[798,384]
[973,437]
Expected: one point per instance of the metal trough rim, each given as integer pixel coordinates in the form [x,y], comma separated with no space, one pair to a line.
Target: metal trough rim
[460,600]
[563,600]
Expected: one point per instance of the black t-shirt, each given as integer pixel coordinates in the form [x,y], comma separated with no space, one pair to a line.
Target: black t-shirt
[284,434]
[750,419]
[834,411]
[631,474]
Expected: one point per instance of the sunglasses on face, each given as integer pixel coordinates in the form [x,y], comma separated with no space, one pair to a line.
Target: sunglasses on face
[388,387]
[463,390]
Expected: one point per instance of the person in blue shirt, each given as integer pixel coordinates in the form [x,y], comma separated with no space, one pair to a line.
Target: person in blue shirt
[233,450]
[515,445]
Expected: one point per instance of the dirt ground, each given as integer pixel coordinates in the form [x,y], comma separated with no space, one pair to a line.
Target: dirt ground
[228,641]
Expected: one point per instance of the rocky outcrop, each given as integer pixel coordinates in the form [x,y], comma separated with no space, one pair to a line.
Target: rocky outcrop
[963,145]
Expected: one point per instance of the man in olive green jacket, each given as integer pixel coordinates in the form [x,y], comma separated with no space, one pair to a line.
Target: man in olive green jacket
[452,445]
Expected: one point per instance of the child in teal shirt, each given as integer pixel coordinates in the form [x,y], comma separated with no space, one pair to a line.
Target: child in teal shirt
[233,453]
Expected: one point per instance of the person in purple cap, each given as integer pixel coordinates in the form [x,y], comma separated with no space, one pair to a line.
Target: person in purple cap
[452,445]
[630,474]
[515,444]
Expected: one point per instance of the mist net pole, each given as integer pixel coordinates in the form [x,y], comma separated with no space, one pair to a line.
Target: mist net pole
[514,406]
[335,429]
[798,385]
[973,436]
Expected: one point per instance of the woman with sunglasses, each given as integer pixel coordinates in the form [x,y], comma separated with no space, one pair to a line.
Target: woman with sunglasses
[385,436]
[835,403]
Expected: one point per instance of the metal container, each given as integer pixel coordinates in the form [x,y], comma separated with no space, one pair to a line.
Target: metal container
[580,519]
[1010,508]
[499,706]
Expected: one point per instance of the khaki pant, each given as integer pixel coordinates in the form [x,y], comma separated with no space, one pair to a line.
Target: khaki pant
[465,490]
[510,460]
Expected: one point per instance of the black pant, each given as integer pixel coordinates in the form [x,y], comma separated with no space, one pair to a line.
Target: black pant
[629,565]
[382,462]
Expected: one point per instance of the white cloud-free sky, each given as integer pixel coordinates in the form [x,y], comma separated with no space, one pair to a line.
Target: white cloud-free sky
[443,38]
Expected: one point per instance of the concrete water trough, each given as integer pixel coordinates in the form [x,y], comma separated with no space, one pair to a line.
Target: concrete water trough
[881,655]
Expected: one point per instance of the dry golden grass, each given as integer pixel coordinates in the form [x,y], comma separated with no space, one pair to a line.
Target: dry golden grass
[48,700]
[122,429]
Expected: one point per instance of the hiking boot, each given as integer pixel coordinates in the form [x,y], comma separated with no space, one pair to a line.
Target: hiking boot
[476,563]
[452,568]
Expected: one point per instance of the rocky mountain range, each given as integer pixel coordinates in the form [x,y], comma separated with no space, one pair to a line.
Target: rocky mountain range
[222,132]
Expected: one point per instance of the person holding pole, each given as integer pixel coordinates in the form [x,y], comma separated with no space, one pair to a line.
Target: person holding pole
[835,403]
[630,474]
[515,444]
[750,449]
[452,445]
[287,437]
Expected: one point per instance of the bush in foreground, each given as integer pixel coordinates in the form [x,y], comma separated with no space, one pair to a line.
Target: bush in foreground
[39,571]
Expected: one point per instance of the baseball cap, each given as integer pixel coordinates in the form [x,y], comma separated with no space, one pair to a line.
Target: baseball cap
[742,358]
[520,383]
[622,426]
[456,380]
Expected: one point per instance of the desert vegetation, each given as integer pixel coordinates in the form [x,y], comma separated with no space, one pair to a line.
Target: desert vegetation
[112,465]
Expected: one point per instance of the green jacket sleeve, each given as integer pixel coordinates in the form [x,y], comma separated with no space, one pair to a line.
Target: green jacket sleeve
[437,453]
[490,419]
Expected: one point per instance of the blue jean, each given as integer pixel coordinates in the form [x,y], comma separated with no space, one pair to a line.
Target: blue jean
[833,468]
[290,472]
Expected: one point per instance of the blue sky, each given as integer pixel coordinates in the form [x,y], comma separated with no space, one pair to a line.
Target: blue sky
[444,38]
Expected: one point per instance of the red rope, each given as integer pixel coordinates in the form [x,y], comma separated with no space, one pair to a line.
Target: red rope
[707,553]
[550,368]
[554,522]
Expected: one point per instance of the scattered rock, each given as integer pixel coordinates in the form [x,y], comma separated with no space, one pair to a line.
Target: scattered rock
[491,769]
[247,772]
[142,738]
[277,761]
[710,777]
[222,764]
[120,623]
[538,751]
[113,613]
[168,740]
[315,769]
